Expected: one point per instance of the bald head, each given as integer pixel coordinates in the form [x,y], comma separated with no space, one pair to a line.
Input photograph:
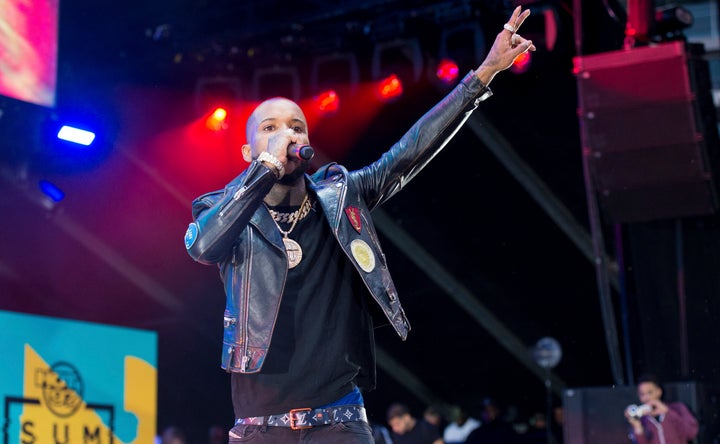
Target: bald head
[273,109]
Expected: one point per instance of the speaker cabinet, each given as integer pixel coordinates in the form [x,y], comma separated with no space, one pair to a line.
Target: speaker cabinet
[649,131]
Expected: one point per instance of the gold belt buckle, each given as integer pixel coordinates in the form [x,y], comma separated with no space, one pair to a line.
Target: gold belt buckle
[292,418]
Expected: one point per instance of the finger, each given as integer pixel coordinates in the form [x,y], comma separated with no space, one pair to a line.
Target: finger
[510,24]
[515,14]
[521,18]
[517,39]
[518,42]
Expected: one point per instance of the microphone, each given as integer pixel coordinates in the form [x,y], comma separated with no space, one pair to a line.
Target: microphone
[304,152]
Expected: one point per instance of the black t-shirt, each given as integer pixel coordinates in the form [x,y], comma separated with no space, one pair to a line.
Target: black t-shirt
[323,343]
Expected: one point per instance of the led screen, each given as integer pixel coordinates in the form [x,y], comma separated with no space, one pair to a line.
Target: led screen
[28,50]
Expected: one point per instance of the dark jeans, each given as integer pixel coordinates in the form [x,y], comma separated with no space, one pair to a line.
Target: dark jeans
[356,432]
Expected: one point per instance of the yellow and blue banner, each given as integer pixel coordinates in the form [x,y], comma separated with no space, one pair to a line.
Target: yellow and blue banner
[72,382]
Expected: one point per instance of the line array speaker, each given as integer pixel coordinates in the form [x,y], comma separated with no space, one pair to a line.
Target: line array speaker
[649,131]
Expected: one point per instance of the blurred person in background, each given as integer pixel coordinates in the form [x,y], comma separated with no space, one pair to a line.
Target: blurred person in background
[656,422]
[434,414]
[495,429]
[407,429]
[460,427]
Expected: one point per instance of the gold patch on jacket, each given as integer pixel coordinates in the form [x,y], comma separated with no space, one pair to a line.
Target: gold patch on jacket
[363,255]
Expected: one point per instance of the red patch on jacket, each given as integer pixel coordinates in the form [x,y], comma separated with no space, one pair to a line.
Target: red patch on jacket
[353,215]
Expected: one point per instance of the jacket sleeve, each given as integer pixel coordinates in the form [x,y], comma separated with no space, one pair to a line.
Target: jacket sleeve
[421,143]
[678,420]
[219,217]
[682,420]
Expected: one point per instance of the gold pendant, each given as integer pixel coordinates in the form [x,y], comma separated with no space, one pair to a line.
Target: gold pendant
[294,252]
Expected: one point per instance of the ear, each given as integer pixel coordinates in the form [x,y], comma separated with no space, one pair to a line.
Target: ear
[247,153]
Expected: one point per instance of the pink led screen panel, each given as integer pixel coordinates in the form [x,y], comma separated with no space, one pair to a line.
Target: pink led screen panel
[28,50]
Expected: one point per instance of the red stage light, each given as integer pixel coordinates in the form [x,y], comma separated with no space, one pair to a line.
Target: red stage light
[217,120]
[447,71]
[327,101]
[219,114]
[389,88]
[521,63]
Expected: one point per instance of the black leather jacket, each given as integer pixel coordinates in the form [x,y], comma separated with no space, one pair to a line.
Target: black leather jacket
[231,228]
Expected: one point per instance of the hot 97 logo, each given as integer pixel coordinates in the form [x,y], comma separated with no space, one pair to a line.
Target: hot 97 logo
[62,388]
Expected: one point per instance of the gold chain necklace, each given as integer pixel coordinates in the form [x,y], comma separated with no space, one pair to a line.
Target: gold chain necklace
[292,248]
[289,218]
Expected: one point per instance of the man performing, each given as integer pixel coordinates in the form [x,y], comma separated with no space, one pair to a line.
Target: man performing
[304,274]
